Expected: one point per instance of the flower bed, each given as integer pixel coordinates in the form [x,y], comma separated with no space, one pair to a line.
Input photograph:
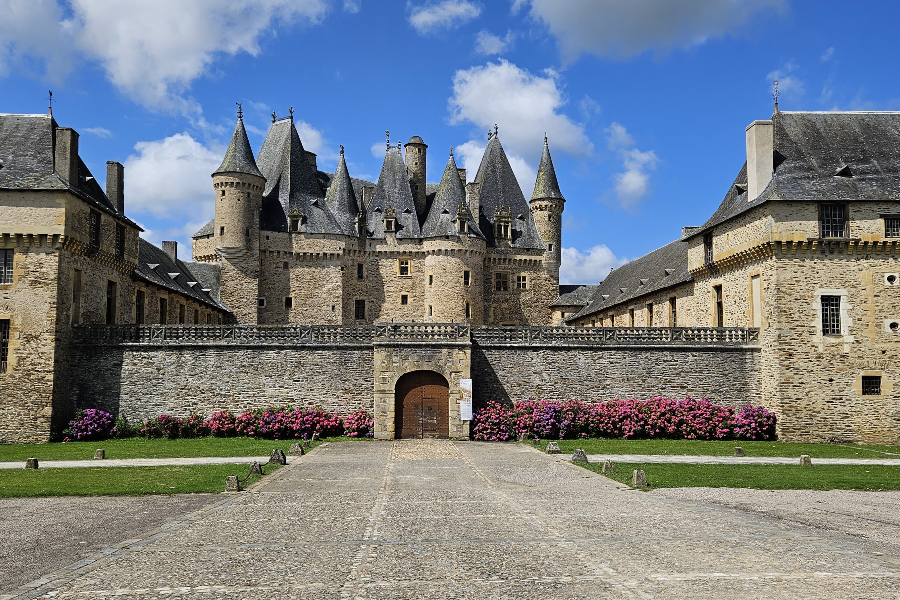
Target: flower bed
[667,418]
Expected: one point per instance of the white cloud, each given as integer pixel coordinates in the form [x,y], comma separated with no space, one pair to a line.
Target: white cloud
[181,234]
[470,154]
[378,150]
[31,28]
[100,132]
[589,107]
[617,28]
[170,179]
[790,87]
[487,43]
[588,267]
[633,183]
[448,14]
[352,6]
[827,55]
[618,137]
[524,106]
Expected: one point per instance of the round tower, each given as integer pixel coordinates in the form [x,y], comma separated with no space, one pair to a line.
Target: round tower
[547,205]
[415,169]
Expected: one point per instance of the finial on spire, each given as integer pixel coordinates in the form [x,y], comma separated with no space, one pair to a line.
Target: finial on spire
[495,129]
[490,134]
[387,141]
[398,144]
[775,93]
[451,150]
[342,149]
[50,100]
[545,138]
[273,116]
[240,110]
[292,114]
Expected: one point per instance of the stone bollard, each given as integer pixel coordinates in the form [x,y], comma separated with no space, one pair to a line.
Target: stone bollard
[306,443]
[295,449]
[31,463]
[639,479]
[232,484]
[738,451]
[805,460]
[522,437]
[315,436]
[608,467]
[99,454]
[255,469]
[552,448]
[579,456]
[278,457]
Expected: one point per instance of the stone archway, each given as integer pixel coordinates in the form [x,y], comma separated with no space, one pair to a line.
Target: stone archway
[422,405]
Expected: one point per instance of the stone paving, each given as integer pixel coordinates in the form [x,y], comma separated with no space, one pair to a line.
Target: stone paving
[438,519]
[734,460]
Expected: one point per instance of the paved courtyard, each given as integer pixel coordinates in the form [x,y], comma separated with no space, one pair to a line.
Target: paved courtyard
[438,519]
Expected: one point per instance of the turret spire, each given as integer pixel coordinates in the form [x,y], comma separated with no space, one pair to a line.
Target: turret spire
[239,156]
[546,185]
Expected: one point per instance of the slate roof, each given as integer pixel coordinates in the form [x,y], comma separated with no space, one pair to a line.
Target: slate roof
[639,277]
[393,191]
[27,157]
[205,275]
[499,188]
[546,185]
[341,200]
[239,156]
[575,295]
[442,214]
[810,149]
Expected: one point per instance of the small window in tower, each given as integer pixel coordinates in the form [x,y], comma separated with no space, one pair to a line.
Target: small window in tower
[94,229]
[285,265]
[521,282]
[416,187]
[120,241]
[549,247]
[501,282]
[247,232]
[430,311]
[360,273]
[295,224]
[831,315]
[360,310]
[404,299]
[431,280]
[221,231]
[288,302]
[261,302]
[163,311]
[468,311]
[223,194]
[466,278]
[871,385]
[404,267]
[708,249]
[111,302]
[549,217]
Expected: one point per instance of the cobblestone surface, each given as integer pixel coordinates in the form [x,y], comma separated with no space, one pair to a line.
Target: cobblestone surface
[438,519]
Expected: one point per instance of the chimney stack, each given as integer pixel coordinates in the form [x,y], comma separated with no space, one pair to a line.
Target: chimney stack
[171,248]
[66,155]
[115,185]
[760,157]
[311,159]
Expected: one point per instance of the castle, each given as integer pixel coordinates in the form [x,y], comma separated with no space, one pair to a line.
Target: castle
[313,288]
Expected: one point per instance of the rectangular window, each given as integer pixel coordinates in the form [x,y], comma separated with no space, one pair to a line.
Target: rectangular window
[6,266]
[404,299]
[196,316]
[650,315]
[219,319]
[181,311]
[673,312]
[831,315]
[163,311]
[892,227]
[94,229]
[120,241]
[404,267]
[111,302]
[209,318]
[221,231]
[289,302]
[756,300]
[76,297]
[295,224]
[468,311]
[521,282]
[871,385]
[140,301]
[261,302]
[833,221]
[360,273]
[247,232]
[708,249]
[467,278]
[360,310]
[285,266]
[719,308]
[431,280]
[430,311]
[612,320]
[501,282]
[4,344]
[389,225]
[631,317]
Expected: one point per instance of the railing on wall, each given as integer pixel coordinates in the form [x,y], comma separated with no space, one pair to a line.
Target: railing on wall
[436,333]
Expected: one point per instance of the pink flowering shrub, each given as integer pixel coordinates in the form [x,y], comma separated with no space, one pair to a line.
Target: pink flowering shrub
[222,424]
[359,424]
[172,427]
[690,419]
[90,424]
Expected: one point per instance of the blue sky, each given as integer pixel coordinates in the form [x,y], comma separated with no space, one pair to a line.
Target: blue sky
[645,102]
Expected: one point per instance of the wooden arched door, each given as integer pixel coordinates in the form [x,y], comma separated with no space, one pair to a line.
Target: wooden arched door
[422,406]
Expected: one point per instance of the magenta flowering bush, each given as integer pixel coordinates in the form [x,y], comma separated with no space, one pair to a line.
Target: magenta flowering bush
[222,424]
[689,418]
[90,424]
[359,424]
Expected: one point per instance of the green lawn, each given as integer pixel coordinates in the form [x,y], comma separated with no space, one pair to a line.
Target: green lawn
[724,448]
[121,481]
[762,477]
[144,448]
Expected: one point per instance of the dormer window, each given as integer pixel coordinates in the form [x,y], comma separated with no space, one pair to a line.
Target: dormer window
[502,231]
[462,226]
[389,225]
[295,224]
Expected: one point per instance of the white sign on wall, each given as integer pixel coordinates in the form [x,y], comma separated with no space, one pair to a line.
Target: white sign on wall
[465,399]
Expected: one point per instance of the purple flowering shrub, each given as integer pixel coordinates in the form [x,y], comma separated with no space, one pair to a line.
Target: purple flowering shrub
[359,424]
[689,418]
[90,424]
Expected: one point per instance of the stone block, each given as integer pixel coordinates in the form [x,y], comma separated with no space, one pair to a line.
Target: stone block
[255,469]
[296,449]
[522,437]
[579,456]
[278,457]
[31,463]
[306,443]
[232,484]
[536,441]
[738,451]
[805,460]
[608,467]
[552,448]
[639,479]
[99,454]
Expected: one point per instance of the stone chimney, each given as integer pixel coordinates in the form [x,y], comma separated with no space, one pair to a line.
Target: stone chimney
[462,175]
[115,185]
[473,193]
[760,157]
[171,248]
[311,158]
[66,155]
[688,231]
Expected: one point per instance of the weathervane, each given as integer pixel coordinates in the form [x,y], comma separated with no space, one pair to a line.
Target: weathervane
[273,116]
[50,99]
[342,149]
[490,134]
[775,93]
[387,141]
[291,111]
[451,150]
[240,110]
[495,129]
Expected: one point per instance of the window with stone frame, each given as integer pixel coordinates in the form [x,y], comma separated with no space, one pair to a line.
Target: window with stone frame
[163,311]
[833,221]
[631,317]
[120,241]
[111,297]
[4,345]
[521,282]
[501,281]
[209,318]
[403,267]
[718,307]
[468,311]
[708,249]
[467,278]
[140,307]
[892,226]
[94,229]
[389,225]
[359,310]
[289,302]
[649,314]
[673,312]
[404,299]
[196,316]
[6,266]
[181,314]
[360,271]
[871,385]
[831,315]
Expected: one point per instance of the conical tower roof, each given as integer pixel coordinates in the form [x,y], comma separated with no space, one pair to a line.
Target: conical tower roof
[239,156]
[546,185]
[444,210]
[340,198]
[393,192]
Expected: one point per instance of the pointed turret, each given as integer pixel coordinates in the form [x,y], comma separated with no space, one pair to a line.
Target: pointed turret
[239,156]
[546,185]
[547,205]
[392,193]
[341,200]
[449,208]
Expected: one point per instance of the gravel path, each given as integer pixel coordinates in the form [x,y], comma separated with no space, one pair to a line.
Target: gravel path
[735,460]
[140,462]
[39,535]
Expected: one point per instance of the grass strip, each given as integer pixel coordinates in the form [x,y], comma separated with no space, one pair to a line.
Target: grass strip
[760,477]
[121,481]
[150,448]
[724,448]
